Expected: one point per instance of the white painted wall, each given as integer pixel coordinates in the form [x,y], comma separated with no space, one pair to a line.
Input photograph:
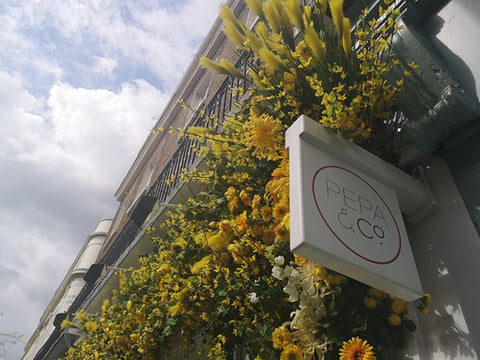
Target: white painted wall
[446,247]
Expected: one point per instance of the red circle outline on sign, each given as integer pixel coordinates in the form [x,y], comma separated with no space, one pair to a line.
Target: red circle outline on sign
[333,232]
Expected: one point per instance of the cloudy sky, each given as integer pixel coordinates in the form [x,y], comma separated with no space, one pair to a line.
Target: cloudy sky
[81,85]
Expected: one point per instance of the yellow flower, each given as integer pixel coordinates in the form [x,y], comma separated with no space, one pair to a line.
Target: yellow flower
[202,264]
[272,14]
[291,352]
[212,66]
[231,69]
[281,337]
[219,241]
[91,326]
[424,303]
[323,8]
[398,306]
[357,349]
[394,320]
[164,269]
[255,6]
[67,323]
[346,37]
[370,303]
[244,197]
[231,195]
[282,232]
[174,310]
[336,7]
[272,61]
[252,40]
[294,13]
[264,136]
[377,294]
[289,80]
[315,44]
[281,209]
[242,224]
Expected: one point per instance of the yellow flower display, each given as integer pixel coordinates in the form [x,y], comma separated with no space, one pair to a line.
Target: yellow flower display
[222,266]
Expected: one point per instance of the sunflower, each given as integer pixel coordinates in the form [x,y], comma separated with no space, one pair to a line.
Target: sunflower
[356,349]
[281,337]
[291,352]
[281,209]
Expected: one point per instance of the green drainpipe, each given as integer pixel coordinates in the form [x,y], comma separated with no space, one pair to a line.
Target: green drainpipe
[435,104]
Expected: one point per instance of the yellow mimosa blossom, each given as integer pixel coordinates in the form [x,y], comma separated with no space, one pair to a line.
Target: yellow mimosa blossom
[324,5]
[336,8]
[295,13]
[212,66]
[272,61]
[219,241]
[201,265]
[316,45]
[231,69]
[256,7]
[272,14]
[346,36]
[252,41]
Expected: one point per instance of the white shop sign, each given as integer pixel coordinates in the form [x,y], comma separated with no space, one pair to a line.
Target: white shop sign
[344,211]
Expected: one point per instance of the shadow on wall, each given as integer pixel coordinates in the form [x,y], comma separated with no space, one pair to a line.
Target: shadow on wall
[449,335]
[446,247]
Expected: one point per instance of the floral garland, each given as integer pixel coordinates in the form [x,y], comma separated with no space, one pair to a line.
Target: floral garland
[222,281]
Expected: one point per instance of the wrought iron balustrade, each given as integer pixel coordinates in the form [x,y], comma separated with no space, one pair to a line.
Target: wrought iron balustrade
[185,156]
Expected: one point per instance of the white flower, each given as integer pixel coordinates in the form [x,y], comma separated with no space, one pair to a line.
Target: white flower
[292,291]
[277,272]
[293,274]
[253,297]
[279,260]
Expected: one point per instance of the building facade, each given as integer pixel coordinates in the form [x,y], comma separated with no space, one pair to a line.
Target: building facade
[441,103]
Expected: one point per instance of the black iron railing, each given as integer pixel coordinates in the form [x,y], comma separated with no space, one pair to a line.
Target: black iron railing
[184,157]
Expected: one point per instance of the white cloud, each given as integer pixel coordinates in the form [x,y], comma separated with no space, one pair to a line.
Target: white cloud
[146,36]
[81,84]
[64,156]
[104,66]
[94,126]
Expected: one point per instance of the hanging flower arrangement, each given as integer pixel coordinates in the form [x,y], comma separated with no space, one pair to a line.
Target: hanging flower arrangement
[222,283]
